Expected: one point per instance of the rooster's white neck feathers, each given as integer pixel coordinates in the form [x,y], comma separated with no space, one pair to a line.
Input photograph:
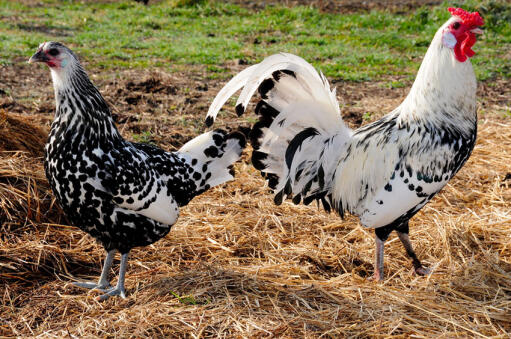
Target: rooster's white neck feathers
[444,90]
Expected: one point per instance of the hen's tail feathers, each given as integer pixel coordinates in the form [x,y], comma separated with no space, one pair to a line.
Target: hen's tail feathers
[300,134]
[212,156]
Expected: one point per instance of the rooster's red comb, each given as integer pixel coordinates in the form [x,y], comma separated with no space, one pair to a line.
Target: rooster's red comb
[469,19]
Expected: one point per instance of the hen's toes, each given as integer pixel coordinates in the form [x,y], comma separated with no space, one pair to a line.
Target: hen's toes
[112,292]
[92,285]
[377,276]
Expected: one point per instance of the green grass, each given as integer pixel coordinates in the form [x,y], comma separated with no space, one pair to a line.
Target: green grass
[189,299]
[144,138]
[357,46]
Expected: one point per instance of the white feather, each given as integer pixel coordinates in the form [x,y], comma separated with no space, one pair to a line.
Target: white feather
[283,61]
[229,89]
[164,209]
[219,166]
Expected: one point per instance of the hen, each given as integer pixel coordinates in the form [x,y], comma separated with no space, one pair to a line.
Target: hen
[384,172]
[123,194]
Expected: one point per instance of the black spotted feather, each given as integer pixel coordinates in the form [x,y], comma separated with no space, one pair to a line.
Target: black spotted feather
[124,194]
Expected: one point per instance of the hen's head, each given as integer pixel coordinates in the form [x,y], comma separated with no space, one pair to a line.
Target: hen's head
[57,56]
[460,32]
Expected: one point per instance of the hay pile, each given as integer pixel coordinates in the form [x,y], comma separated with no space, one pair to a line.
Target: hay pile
[24,191]
[25,200]
[19,134]
[236,265]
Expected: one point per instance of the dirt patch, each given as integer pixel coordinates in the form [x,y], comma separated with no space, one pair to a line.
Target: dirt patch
[495,93]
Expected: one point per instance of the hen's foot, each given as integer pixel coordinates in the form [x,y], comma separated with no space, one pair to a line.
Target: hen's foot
[120,291]
[92,285]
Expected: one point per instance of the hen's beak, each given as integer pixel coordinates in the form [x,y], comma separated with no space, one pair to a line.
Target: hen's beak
[477,30]
[39,56]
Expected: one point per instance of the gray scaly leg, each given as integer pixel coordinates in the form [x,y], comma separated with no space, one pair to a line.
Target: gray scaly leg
[381,235]
[103,283]
[119,288]
[378,263]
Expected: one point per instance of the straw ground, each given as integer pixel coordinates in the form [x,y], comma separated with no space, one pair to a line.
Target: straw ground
[236,265]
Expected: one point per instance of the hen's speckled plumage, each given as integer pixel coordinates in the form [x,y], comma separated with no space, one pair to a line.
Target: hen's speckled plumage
[123,194]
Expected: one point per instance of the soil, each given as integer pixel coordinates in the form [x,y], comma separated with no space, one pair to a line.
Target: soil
[168,108]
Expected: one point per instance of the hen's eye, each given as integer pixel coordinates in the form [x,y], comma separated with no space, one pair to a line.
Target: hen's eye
[53,51]
[456,25]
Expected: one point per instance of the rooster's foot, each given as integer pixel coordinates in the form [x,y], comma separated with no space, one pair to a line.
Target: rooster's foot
[422,271]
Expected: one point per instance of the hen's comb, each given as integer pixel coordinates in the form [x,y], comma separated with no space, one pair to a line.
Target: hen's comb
[469,19]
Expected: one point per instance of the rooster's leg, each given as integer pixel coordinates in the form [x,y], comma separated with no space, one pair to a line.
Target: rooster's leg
[119,288]
[381,235]
[103,283]
[378,266]
[402,232]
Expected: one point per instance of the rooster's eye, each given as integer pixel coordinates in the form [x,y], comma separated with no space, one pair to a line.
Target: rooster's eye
[456,25]
[53,51]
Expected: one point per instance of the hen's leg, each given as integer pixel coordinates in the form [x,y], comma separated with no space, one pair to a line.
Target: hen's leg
[119,288]
[103,283]
[402,232]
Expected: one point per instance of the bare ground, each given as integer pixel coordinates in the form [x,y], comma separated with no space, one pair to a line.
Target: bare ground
[236,265]
[140,100]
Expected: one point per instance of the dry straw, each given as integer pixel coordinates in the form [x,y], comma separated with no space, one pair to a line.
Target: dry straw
[236,265]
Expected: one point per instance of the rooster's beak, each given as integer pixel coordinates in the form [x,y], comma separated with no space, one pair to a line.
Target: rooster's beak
[39,56]
[477,31]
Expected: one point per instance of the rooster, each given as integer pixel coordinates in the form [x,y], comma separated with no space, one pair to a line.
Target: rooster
[383,172]
[123,194]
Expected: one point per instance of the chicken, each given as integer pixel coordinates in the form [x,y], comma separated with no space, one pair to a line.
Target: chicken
[383,172]
[123,194]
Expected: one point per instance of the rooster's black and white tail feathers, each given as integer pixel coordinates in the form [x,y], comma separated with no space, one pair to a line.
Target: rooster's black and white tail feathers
[299,134]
